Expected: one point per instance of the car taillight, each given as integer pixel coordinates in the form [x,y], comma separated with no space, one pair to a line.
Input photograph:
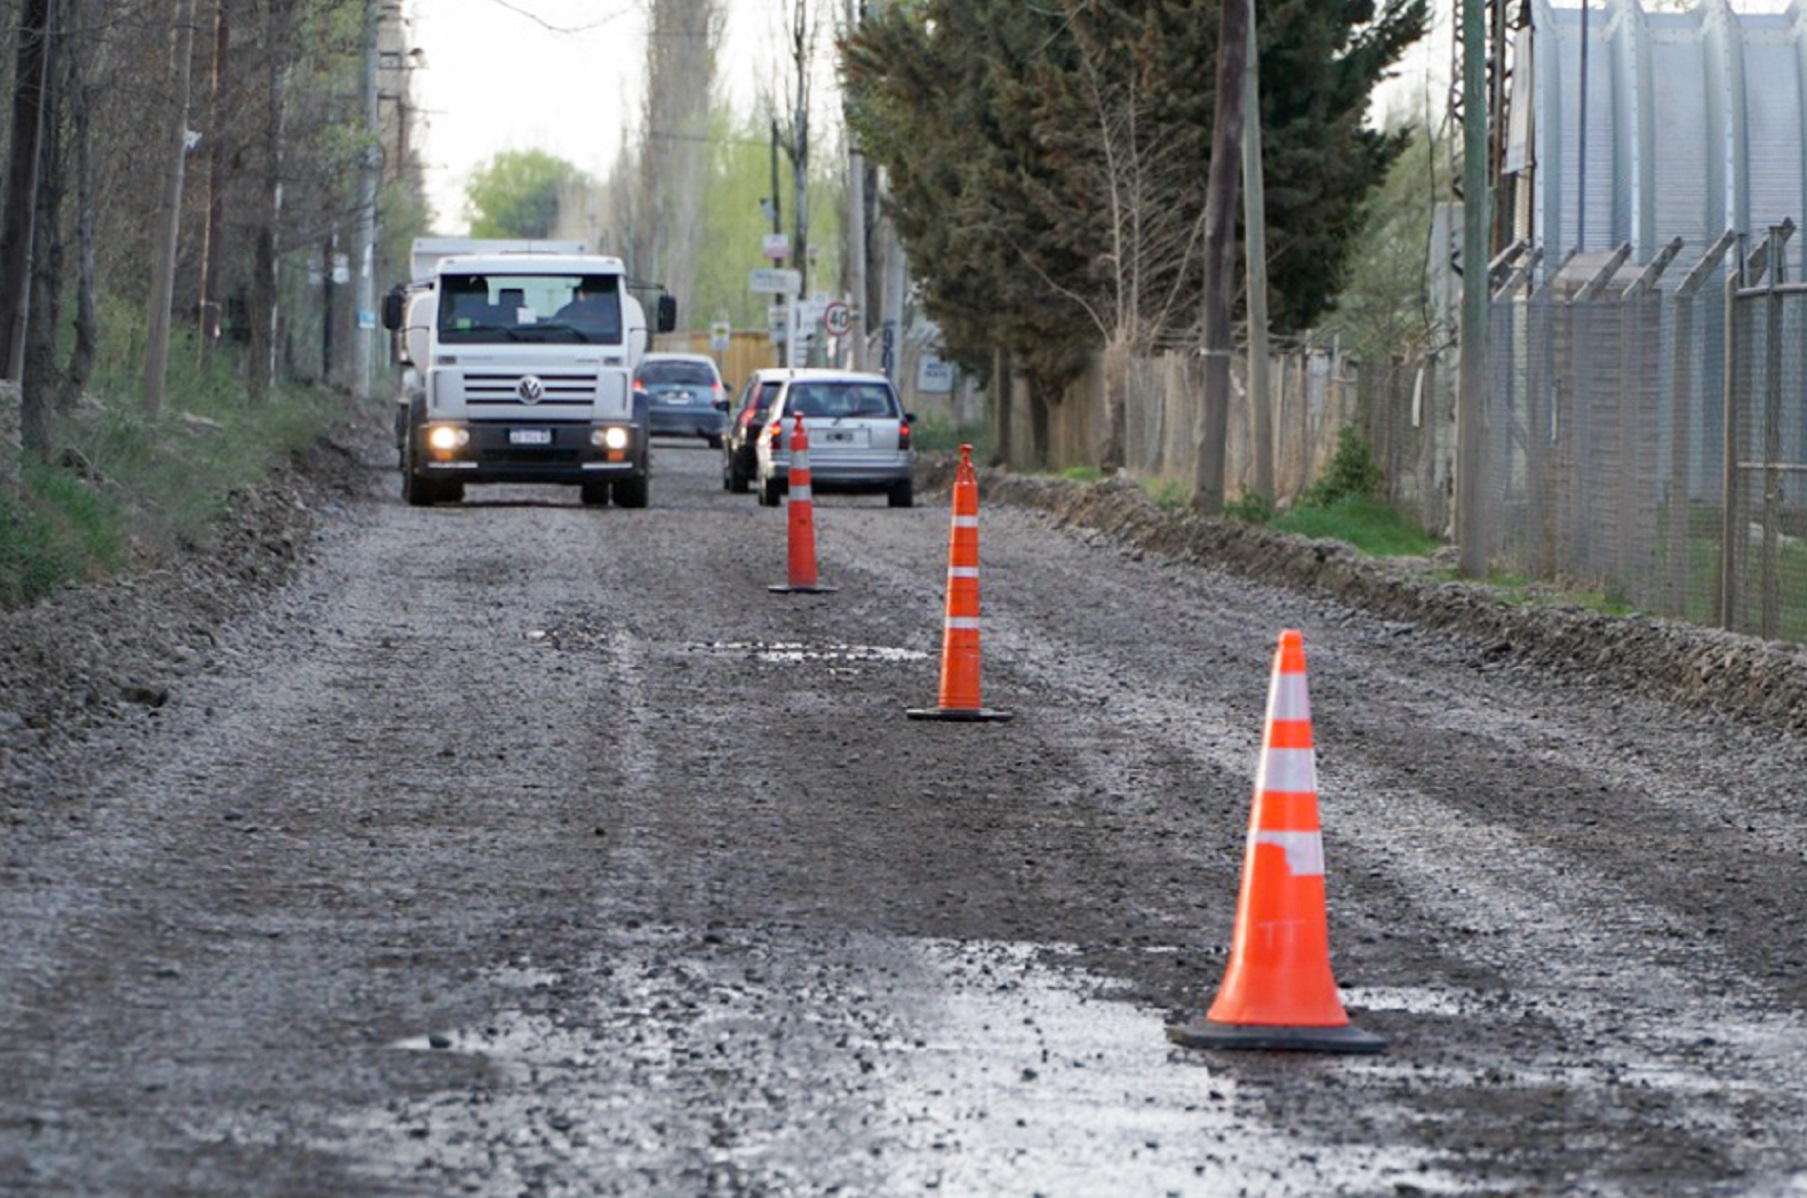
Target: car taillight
[639,387]
[775,431]
[903,434]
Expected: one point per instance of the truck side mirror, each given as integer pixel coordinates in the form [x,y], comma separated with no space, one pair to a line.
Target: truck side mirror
[392,311]
[668,313]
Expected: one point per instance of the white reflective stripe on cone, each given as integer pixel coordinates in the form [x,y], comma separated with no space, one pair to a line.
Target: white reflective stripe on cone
[966,522]
[1289,698]
[963,571]
[1289,771]
[1304,851]
[963,622]
[799,494]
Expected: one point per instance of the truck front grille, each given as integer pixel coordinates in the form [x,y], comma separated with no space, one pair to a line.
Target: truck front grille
[496,393]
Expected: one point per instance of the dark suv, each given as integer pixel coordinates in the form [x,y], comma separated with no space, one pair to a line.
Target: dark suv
[740,437]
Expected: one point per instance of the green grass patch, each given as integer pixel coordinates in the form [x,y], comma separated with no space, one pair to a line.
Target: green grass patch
[1250,508]
[1168,494]
[1371,526]
[48,538]
[935,433]
[123,486]
[1082,474]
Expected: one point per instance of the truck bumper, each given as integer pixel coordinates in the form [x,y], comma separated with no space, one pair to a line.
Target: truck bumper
[531,453]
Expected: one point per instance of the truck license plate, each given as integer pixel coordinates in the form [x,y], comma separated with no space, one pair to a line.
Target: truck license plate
[530,436]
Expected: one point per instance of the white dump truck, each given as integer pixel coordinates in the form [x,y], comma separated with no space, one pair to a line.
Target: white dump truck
[520,361]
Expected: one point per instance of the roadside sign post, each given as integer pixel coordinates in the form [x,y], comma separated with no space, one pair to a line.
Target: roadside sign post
[767,280]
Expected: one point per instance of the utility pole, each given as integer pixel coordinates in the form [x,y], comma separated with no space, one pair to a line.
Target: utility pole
[216,182]
[1477,211]
[163,270]
[364,336]
[1220,256]
[1254,223]
[856,229]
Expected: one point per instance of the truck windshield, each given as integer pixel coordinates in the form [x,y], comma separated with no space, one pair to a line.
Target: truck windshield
[497,309]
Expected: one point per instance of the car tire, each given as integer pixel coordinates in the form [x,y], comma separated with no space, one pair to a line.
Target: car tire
[631,492]
[770,490]
[593,494]
[902,495]
[736,477]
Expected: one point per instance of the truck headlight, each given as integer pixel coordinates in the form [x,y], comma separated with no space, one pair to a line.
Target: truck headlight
[445,438]
[616,438]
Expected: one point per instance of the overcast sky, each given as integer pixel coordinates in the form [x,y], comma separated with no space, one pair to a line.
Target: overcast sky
[564,76]
[555,75]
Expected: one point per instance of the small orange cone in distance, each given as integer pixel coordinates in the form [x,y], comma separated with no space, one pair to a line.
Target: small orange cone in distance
[800,505]
[959,699]
[1277,990]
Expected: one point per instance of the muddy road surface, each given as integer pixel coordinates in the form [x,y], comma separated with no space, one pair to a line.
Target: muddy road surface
[522,849]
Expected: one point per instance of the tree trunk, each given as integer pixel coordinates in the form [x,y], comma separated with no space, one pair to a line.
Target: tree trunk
[1041,404]
[1115,363]
[1220,256]
[163,269]
[1003,388]
[82,92]
[41,384]
[261,309]
[29,95]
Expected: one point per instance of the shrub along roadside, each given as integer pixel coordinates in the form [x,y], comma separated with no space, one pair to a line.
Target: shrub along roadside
[124,489]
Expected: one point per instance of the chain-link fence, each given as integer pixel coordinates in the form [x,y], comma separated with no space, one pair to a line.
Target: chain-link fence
[1647,434]
[1611,447]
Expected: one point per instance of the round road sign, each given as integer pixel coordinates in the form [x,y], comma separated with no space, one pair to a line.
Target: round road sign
[837,319]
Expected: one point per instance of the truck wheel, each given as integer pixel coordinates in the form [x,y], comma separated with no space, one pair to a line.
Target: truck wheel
[631,492]
[594,494]
[417,490]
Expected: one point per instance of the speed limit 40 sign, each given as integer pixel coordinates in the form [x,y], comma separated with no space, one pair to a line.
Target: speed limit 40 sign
[837,318]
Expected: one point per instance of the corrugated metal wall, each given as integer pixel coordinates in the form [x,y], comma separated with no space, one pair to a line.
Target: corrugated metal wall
[1692,123]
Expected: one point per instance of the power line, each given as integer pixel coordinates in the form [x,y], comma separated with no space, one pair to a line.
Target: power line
[551,28]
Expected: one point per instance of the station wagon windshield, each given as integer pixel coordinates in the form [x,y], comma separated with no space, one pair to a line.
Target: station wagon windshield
[500,309]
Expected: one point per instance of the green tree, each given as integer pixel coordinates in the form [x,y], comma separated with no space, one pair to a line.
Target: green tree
[1046,162]
[516,194]
[1382,313]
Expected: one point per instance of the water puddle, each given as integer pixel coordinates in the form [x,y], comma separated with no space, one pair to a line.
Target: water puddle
[792,1062]
[797,652]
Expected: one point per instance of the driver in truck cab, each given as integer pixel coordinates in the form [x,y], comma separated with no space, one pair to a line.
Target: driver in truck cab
[594,309]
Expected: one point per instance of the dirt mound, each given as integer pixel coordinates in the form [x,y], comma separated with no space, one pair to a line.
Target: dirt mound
[1750,679]
[107,650]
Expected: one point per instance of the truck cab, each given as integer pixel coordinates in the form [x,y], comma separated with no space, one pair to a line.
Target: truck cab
[521,362]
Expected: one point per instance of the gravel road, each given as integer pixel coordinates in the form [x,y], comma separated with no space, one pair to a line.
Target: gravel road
[517,848]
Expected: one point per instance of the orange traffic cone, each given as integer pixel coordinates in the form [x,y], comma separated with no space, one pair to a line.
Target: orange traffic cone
[1277,991]
[960,629]
[801,508]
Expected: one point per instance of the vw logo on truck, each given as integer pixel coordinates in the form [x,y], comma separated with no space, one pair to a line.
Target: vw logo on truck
[530,389]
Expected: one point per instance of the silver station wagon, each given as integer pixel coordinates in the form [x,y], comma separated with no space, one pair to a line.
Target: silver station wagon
[859,436]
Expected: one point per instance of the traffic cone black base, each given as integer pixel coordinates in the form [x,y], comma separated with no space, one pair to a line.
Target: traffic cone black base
[785,588]
[958,714]
[1204,1033]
